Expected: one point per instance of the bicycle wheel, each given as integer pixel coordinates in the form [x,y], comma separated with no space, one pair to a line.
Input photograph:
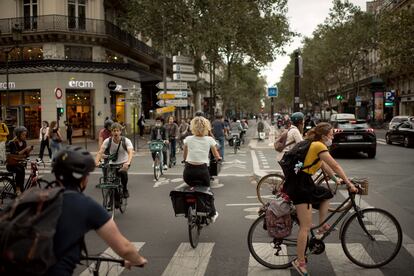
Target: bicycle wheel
[122,201]
[270,252]
[6,189]
[235,147]
[109,201]
[377,244]
[193,227]
[333,187]
[157,166]
[268,186]
[41,183]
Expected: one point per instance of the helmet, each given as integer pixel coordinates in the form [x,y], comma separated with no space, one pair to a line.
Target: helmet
[297,117]
[199,113]
[108,123]
[19,130]
[72,163]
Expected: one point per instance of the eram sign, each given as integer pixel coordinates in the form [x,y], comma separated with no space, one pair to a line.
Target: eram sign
[80,84]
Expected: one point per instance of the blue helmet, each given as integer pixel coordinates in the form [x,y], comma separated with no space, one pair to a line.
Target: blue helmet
[297,117]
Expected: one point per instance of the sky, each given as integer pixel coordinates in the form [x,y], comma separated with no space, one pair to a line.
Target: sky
[304,16]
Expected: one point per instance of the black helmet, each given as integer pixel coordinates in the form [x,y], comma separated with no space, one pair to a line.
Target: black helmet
[108,123]
[297,117]
[199,114]
[72,163]
[19,130]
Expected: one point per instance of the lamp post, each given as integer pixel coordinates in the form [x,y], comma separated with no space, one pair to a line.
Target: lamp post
[16,37]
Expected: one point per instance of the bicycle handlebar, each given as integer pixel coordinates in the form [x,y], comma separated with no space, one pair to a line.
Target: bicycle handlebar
[106,259]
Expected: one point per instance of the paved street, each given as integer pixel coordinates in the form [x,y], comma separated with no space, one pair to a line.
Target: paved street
[149,220]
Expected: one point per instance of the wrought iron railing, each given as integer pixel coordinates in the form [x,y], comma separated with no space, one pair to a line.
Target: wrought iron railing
[62,23]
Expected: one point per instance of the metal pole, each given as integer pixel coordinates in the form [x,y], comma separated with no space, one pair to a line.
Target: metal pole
[134,130]
[272,110]
[211,92]
[164,59]
[297,83]
[7,84]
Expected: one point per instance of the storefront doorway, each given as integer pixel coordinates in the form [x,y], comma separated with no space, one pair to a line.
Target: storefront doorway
[118,107]
[79,112]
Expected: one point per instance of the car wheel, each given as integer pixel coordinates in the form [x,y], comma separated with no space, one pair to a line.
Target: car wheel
[407,142]
[372,153]
[388,140]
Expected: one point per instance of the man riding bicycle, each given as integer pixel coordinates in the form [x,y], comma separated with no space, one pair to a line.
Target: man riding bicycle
[158,133]
[119,151]
[235,130]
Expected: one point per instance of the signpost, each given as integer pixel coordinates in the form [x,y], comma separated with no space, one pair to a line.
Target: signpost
[173,85]
[183,68]
[178,103]
[165,109]
[183,59]
[165,96]
[184,77]
[272,91]
[177,94]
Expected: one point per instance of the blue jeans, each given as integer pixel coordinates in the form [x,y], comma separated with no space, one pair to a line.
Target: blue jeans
[55,147]
[221,143]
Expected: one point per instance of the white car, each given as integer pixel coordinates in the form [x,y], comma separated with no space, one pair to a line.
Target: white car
[395,121]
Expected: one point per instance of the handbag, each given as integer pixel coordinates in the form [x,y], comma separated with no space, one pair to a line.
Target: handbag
[15,159]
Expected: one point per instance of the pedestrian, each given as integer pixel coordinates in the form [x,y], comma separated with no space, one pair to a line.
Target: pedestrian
[184,131]
[105,132]
[44,140]
[219,132]
[172,134]
[69,131]
[4,132]
[141,125]
[55,138]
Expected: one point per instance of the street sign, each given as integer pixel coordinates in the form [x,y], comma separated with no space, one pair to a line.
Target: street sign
[177,94]
[131,100]
[178,103]
[111,85]
[173,85]
[390,96]
[183,59]
[272,91]
[184,77]
[165,109]
[358,99]
[183,68]
[58,93]
[166,96]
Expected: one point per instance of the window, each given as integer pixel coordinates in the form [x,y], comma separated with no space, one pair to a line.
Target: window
[77,14]
[30,14]
[78,53]
[113,57]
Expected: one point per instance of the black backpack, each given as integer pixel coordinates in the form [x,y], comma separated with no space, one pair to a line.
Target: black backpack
[27,228]
[293,160]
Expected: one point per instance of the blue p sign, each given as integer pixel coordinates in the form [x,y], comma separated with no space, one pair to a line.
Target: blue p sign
[389,96]
[272,92]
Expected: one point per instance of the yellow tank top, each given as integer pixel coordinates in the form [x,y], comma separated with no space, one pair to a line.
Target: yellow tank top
[314,150]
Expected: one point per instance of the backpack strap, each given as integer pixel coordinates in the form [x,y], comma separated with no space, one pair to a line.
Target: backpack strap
[313,163]
[109,146]
[123,141]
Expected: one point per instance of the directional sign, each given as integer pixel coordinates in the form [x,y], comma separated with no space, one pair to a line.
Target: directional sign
[165,109]
[173,85]
[183,68]
[179,103]
[184,77]
[272,92]
[183,59]
[166,96]
[177,94]
[132,100]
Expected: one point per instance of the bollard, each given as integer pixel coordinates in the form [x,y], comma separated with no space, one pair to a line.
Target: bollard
[86,138]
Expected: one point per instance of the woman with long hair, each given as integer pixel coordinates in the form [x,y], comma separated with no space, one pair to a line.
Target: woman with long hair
[55,138]
[305,194]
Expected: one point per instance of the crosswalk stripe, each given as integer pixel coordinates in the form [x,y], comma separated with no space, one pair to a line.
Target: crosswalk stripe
[342,266]
[110,269]
[256,269]
[188,261]
[410,248]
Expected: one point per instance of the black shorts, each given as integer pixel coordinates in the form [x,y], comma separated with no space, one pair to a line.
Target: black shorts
[301,189]
[196,175]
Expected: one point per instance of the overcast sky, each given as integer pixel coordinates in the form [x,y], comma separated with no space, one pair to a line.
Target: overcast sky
[304,16]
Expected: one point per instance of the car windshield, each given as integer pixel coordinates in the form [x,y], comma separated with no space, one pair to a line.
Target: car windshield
[352,125]
[399,120]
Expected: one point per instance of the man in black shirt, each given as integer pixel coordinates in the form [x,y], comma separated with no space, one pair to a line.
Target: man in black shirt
[80,214]
[219,131]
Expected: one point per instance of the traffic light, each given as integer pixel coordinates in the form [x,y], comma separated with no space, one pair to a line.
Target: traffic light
[339,97]
[59,112]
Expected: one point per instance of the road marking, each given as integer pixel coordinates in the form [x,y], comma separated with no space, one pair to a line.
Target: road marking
[243,204]
[110,269]
[251,217]
[256,166]
[410,248]
[252,209]
[267,252]
[188,261]
[342,266]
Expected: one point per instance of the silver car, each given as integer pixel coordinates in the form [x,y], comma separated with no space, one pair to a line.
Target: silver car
[395,121]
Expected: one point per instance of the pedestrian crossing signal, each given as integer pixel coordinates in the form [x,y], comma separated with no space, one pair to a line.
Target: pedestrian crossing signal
[60,111]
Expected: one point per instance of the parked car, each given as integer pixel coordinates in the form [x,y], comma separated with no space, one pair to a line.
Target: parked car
[395,121]
[354,135]
[402,134]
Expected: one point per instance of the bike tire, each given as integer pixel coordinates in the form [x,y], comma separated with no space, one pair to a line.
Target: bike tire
[336,198]
[123,201]
[268,186]
[157,165]
[43,184]
[108,198]
[364,251]
[270,252]
[193,228]
[6,189]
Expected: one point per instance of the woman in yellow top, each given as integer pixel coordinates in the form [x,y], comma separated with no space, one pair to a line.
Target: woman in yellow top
[4,132]
[305,194]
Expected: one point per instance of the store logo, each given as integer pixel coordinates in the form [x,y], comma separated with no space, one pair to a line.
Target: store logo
[80,84]
[3,85]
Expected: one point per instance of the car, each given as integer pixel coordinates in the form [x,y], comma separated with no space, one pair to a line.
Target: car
[354,135]
[402,134]
[395,121]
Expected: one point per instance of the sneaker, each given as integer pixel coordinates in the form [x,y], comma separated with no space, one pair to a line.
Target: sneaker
[214,218]
[165,167]
[126,193]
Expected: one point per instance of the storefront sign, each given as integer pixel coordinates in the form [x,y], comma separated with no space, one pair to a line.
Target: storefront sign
[379,106]
[111,85]
[3,85]
[80,84]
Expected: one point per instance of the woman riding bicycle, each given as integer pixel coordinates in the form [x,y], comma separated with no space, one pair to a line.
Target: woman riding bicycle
[196,150]
[303,192]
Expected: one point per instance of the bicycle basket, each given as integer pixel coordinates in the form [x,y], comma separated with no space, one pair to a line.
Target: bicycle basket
[363,182]
[156,146]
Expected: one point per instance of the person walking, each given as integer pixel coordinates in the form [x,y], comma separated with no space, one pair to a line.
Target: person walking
[4,132]
[184,131]
[44,140]
[55,138]
[172,134]
[219,132]
[105,132]
[141,125]
[294,132]
[69,131]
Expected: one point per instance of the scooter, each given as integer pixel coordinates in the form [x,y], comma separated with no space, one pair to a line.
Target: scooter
[262,136]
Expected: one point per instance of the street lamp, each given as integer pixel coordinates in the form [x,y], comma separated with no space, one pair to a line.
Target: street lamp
[16,38]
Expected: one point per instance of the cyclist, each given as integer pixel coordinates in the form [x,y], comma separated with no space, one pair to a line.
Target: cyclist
[19,150]
[105,132]
[305,195]
[172,133]
[80,214]
[195,155]
[120,149]
[235,130]
[158,133]
[219,132]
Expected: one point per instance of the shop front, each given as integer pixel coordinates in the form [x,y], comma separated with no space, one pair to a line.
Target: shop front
[79,111]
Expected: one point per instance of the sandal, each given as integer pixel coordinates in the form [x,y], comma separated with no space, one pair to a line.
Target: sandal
[300,267]
[322,230]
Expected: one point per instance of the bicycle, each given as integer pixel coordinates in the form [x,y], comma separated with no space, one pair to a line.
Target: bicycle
[236,142]
[370,237]
[8,182]
[112,189]
[157,147]
[97,260]
[271,184]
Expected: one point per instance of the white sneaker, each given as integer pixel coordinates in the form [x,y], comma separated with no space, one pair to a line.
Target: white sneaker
[165,167]
[214,218]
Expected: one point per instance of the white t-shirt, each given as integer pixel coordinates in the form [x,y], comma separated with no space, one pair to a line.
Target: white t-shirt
[122,153]
[199,148]
[293,135]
